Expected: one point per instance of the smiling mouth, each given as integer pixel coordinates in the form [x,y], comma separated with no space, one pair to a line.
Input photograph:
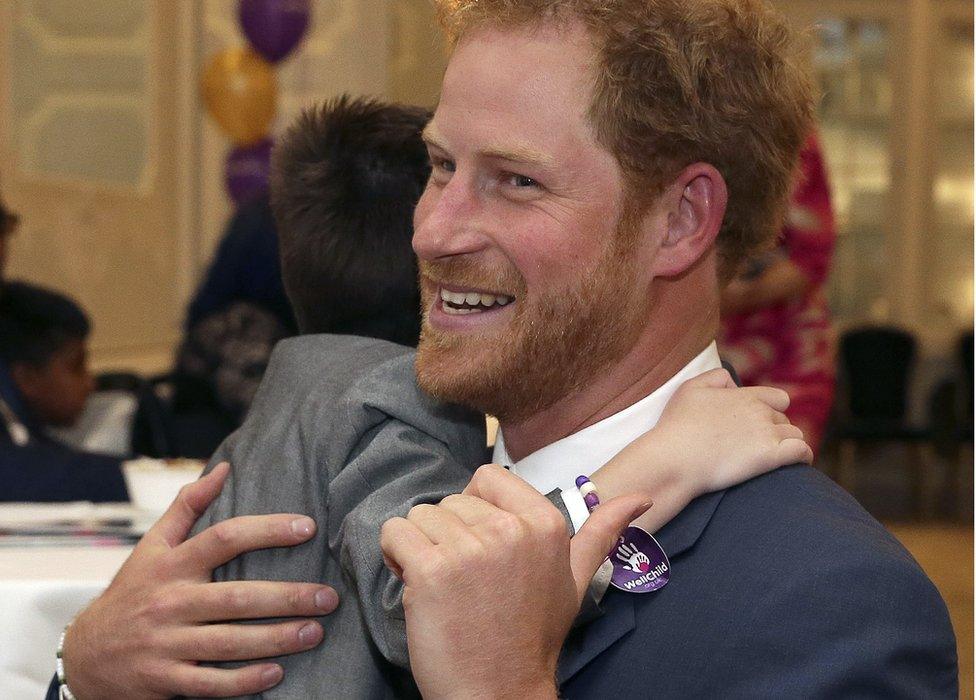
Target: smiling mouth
[461,303]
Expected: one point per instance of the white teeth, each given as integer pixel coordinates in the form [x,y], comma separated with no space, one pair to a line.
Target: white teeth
[453,297]
[471,299]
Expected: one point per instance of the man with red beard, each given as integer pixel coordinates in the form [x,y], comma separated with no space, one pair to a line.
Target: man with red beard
[598,171]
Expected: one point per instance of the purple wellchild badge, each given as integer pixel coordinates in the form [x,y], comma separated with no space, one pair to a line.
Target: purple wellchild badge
[639,563]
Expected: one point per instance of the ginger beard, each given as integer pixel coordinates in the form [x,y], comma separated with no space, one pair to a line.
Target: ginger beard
[554,345]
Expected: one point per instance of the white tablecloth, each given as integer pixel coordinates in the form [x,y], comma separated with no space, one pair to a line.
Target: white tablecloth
[41,589]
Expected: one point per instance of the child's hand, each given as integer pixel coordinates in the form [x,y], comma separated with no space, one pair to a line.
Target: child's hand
[717,434]
[712,435]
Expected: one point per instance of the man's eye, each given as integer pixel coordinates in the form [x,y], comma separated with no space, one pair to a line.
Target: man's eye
[442,164]
[522,181]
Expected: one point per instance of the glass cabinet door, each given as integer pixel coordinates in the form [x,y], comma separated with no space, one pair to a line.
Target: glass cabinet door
[948,243]
[896,120]
[854,55]
[851,64]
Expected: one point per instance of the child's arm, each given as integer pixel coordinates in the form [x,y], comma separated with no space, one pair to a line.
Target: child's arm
[712,435]
[394,467]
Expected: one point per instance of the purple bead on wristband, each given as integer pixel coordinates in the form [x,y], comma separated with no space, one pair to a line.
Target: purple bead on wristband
[587,490]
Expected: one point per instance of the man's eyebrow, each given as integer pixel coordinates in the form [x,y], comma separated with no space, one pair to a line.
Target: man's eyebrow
[430,138]
[526,156]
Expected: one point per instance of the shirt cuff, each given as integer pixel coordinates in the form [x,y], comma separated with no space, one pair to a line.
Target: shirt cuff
[576,507]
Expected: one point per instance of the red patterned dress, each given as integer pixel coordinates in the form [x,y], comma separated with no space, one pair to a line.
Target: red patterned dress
[790,344]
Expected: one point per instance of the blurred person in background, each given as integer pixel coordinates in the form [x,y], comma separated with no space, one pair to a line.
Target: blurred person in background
[45,382]
[237,315]
[776,326]
[245,268]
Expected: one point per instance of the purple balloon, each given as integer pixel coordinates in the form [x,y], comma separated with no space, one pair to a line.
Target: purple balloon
[274,27]
[246,171]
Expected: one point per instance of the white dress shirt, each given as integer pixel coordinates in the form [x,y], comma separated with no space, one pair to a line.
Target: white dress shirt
[556,466]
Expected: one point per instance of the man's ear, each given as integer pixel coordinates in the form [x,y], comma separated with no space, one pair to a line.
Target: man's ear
[695,205]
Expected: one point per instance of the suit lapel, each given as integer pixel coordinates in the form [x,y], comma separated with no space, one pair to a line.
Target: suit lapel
[618,616]
[589,641]
[679,535]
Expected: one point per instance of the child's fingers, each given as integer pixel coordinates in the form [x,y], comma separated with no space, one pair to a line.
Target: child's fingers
[717,378]
[777,399]
[794,451]
[787,431]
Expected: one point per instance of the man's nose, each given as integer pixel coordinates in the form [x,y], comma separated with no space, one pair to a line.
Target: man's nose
[451,222]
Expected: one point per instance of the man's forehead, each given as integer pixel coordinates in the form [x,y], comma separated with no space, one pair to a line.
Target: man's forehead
[518,92]
[536,48]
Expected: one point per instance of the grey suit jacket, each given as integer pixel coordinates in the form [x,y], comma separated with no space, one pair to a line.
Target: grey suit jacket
[340,431]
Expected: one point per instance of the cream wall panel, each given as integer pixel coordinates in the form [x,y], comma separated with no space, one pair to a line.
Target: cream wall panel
[113,163]
[89,136]
[419,57]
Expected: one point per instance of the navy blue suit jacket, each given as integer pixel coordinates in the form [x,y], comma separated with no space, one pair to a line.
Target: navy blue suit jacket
[47,470]
[782,587]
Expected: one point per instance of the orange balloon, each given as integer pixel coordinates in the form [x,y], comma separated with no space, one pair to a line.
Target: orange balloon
[240,90]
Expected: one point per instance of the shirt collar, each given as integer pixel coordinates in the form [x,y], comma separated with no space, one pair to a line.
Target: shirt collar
[557,465]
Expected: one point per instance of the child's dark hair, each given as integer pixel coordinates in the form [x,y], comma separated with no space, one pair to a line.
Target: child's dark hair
[345,180]
[36,323]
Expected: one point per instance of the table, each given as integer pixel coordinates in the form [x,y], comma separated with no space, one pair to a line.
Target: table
[42,588]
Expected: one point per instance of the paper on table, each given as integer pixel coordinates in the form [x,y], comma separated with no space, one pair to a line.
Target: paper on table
[87,521]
